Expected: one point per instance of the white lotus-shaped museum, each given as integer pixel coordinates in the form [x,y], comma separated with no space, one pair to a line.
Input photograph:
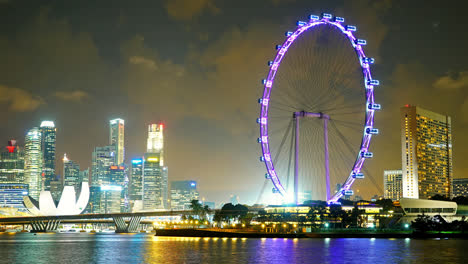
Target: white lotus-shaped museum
[67,205]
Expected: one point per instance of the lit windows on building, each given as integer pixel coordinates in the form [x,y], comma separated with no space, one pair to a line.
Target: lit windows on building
[393,186]
[426,153]
[102,158]
[154,183]
[182,193]
[11,195]
[71,174]
[155,142]
[33,162]
[136,180]
[48,139]
[116,139]
[460,187]
[12,163]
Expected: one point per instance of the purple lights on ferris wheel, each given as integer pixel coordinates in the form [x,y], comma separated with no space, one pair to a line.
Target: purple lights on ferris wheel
[369,130]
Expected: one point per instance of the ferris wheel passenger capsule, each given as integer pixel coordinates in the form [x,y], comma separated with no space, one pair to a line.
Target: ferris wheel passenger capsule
[278,47]
[374,106]
[327,16]
[368,60]
[367,154]
[372,131]
[339,19]
[288,33]
[351,28]
[262,159]
[314,17]
[361,42]
[358,175]
[270,63]
[373,82]
[264,81]
[274,190]
[301,23]
[259,140]
[347,192]
[267,176]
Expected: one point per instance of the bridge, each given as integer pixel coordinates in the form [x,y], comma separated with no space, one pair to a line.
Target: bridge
[124,222]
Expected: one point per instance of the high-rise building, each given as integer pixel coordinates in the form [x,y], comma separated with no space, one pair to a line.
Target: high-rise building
[12,164]
[56,188]
[154,183]
[71,174]
[48,132]
[116,139]
[460,187]
[11,195]
[155,142]
[393,185]
[426,139]
[103,157]
[33,162]
[136,180]
[110,199]
[182,194]
[84,175]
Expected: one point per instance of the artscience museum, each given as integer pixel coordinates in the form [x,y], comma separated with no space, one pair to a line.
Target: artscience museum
[67,205]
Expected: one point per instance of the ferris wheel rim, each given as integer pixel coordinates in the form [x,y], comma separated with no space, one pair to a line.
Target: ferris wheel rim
[370,105]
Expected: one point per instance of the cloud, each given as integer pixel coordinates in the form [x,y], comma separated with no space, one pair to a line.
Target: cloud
[452,82]
[278,2]
[75,96]
[139,60]
[19,100]
[189,9]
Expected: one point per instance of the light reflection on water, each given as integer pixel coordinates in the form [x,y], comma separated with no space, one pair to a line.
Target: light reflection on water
[145,248]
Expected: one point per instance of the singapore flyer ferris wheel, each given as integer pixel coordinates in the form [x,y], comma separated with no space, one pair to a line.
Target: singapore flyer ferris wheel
[317,111]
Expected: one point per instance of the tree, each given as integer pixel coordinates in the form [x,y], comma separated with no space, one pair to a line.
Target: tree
[387,204]
[196,207]
[439,197]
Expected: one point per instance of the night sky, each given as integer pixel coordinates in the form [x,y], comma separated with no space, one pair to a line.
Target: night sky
[196,65]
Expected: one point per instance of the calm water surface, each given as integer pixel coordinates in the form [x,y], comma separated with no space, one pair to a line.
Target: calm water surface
[145,248]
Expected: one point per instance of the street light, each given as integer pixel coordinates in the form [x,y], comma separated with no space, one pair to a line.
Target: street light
[326,225]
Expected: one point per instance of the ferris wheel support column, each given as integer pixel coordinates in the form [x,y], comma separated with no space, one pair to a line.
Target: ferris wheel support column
[296,159]
[327,165]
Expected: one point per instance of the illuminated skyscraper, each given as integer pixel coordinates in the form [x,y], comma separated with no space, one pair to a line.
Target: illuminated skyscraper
[71,174]
[48,132]
[103,157]
[12,164]
[155,142]
[33,162]
[136,180]
[116,139]
[393,186]
[460,187]
[154,183]
[182,194]
[426,139]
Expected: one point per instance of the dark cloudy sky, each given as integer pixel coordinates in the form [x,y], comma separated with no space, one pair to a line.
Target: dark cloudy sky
[196,65]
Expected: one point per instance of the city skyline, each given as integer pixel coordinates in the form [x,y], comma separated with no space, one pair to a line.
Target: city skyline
[203,83]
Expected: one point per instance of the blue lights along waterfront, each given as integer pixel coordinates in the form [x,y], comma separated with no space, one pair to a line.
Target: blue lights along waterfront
[146,248]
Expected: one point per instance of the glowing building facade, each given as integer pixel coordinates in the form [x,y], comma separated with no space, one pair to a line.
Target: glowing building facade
[48,132]
[426,139]
[12,164]
[154,183]
[11,195]
[71,173]
[136,180]
[155,142]
[393,185]
[460,187]
[103,157]
[116,139]
[182,194]
[33,162]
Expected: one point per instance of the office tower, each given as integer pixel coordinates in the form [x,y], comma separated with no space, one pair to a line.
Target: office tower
[33,162]
[136,180]
[71,174]
[110,199]
[12,164]
[94,203]
[182,194]
[103,157]
[48,132]
[154,182]
[393,185]
[155,142]
[11,195]
[84,175]
[460,187]
[426,139]
[116,139]
[56,188]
